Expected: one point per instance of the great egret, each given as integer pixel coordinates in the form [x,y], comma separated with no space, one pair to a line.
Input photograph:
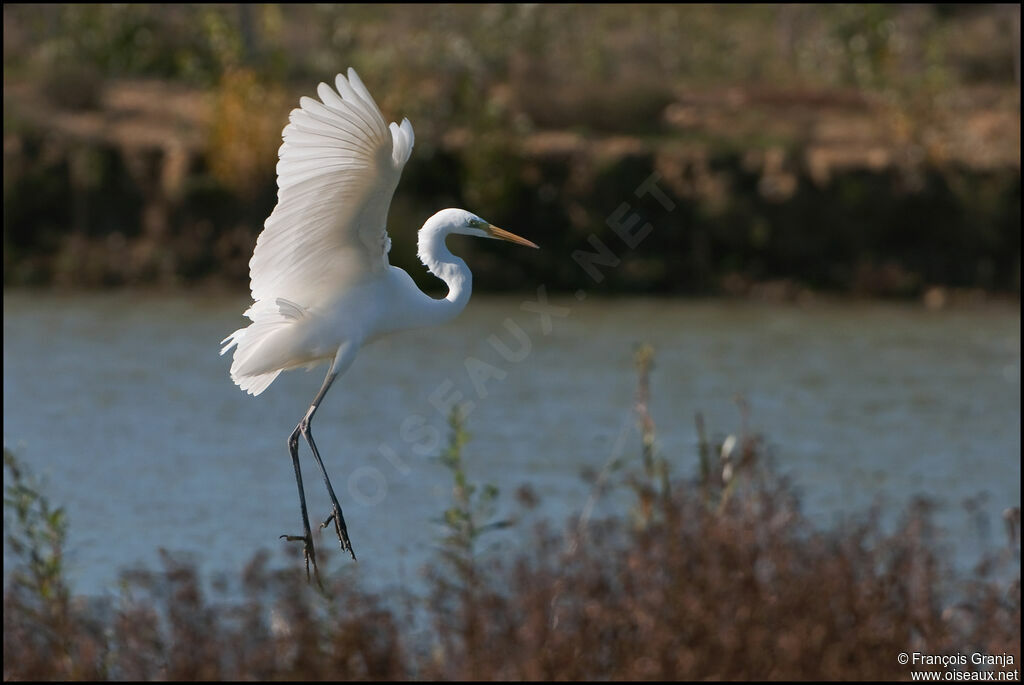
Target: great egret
[320,278]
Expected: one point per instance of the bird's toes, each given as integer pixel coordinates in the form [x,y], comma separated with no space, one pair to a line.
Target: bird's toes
[340,530]
[346,544]
[308,554]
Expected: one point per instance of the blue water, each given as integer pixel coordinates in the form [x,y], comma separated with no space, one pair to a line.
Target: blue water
[123,405]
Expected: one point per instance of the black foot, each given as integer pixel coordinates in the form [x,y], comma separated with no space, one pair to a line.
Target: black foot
[308,553]
[341,530]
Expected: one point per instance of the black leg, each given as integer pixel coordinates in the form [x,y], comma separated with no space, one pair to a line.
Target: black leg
[305,427]
[307,537]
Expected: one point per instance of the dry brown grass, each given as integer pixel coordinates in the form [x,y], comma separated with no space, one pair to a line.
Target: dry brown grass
[748,589]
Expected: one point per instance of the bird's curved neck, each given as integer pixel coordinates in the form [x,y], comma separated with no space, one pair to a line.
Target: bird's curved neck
[435,255]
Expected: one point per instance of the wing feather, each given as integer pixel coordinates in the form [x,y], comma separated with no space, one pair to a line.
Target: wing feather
[338,168]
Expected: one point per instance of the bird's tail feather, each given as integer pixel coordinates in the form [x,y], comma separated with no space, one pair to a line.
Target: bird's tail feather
[253,368]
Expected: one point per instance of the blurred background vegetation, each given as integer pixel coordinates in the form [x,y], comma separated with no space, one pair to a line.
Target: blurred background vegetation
[871,150]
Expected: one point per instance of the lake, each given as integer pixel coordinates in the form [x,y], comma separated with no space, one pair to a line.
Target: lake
[121,402]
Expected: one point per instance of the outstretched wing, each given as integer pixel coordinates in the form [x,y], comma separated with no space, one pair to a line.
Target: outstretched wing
[339,166]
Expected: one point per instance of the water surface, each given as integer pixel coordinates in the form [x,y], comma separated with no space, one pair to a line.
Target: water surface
[123,404]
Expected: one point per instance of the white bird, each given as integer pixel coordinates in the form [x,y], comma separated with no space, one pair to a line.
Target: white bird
[320,278]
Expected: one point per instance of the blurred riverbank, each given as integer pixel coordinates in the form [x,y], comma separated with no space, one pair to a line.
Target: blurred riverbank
[872,151]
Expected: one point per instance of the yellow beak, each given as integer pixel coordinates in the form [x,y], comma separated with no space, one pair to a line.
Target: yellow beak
[502,234]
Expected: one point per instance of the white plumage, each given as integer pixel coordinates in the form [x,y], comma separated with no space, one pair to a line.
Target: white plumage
[339,167]
[319,275]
